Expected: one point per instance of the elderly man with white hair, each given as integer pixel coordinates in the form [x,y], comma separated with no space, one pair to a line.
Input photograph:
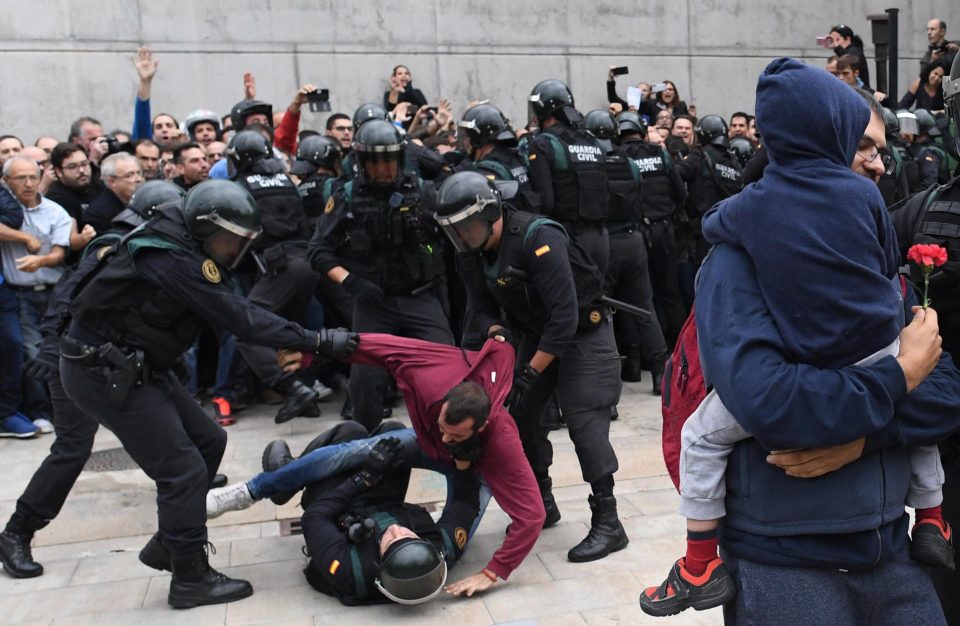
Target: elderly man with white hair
[122,174]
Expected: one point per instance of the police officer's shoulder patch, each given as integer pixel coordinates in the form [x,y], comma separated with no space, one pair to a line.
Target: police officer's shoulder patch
[210,271]
[460,537]
[328,208]
[101,252]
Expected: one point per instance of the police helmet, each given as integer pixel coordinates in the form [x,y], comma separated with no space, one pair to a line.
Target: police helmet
[366,112]
[926,123]
[195,117]
[224,216]
[484,124]
[468,204]
[601,124]
[412,571]
[152,194]
[741,148]
[631,122]
[244,108]
[908,123]
[316,151]
[246,148]
[548,98]
[890,122]
[951,96]
[379,147]
[712,129]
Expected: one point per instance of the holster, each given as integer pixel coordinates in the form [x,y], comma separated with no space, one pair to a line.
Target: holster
[123,369]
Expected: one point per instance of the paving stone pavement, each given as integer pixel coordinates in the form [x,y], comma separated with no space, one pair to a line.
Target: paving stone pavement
[93,578]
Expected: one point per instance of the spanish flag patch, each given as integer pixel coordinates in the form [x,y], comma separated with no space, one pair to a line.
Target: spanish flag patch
[532,157]
[542,250]
[334,567]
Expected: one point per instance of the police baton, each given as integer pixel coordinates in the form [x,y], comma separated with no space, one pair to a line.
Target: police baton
[619,305]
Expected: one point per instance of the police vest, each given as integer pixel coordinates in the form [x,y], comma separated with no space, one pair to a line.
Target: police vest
[943,161]
[719,178]
[505,164]
[519,298]
[655,165]
[316,192]
[909,165]
[280,206]
[395,235]
[117,304]
[365,556]
[624,185]
[579,184]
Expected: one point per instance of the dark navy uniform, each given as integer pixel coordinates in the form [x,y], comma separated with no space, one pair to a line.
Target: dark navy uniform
[664,195]
[627,277]
[933,162]
[141,306]
[384,237]
[566,173]
[545,310]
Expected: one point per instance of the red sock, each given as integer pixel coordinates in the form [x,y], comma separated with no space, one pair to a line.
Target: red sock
[932,514]
[702,547]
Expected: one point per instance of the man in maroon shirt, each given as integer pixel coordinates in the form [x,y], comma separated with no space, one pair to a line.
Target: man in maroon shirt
[426,372]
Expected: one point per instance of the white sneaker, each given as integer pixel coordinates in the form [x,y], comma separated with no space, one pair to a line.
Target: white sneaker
[322,390]
[44,425]
[234,497]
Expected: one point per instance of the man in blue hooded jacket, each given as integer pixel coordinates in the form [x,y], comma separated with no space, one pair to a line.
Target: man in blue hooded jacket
[835,546]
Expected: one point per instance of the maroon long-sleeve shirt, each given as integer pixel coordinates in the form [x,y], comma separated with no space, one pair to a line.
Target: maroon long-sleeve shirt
[425,372]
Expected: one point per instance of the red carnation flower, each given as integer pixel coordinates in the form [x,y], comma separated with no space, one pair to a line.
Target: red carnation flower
[927,256]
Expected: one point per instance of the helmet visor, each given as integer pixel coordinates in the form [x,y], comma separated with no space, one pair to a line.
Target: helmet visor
[467,229]
[908,123]
[227,248]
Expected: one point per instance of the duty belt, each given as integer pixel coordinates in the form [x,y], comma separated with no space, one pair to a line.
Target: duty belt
[123,368]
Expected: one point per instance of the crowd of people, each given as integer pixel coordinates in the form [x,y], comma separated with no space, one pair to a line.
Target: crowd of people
[406,252]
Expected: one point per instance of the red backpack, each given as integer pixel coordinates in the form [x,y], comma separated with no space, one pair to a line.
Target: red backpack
[684,388]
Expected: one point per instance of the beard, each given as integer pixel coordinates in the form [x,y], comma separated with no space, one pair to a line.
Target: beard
[468,450]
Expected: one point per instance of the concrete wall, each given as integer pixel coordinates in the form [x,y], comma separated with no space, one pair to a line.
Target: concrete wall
[65,58]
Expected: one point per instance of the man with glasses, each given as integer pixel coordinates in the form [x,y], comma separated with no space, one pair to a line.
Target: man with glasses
[75,187]
[340,128]
[42,159]
[122,174]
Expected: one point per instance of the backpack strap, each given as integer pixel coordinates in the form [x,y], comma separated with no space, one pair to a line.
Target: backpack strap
[502,173]
[560,159]
[667,161]
[537,223]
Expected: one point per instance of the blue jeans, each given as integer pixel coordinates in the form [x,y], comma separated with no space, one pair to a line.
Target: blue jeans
[32,306]
[227,347]
[350,455]
[11,352]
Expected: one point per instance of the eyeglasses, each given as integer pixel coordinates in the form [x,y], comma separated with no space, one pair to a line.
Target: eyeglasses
[76,166]
[888,162]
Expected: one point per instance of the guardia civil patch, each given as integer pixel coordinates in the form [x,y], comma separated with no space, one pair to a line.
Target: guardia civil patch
[328,207]
[102,252]
[210,271]
[460,536]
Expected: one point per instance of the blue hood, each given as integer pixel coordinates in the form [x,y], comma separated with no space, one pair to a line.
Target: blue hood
[818,233]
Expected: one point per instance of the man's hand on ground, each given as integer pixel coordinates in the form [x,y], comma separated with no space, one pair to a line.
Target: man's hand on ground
[470,585]
[289,360]
[817,461]
[920,346]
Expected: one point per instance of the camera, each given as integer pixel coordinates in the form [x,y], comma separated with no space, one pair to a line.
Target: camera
[319,100]
[114,145]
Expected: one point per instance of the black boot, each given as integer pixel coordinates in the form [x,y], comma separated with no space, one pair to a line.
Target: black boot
[552,417]
[155,554]
[195,583]
[632,369]
[16,556]
[301,401]
[219,480]
[606,533]
[657,383]
[549,504]
[276,455]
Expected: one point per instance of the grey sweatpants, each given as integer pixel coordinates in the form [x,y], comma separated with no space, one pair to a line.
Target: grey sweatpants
[708,437]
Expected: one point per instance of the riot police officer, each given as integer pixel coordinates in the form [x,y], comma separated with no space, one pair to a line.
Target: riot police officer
[931,157]
[376,240]
[565,169]
[524,265]
[930,217]
[363,114]
[250,111]
[486,138]
[627,277]
[664,195]
[138,309]
[74,430]
[318,166]
[285,281]
[895,185]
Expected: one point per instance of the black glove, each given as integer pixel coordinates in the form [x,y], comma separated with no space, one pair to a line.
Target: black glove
[363,290]
[336,343]
[502,332]
[522,384]
[46,365]
[383,458]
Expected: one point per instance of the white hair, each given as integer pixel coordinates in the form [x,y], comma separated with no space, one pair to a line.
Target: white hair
[8,164]
[108,167]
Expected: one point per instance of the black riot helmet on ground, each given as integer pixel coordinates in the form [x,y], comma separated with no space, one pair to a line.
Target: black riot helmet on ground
[741,148]
[468,205]
[552,97]
[380,154]
[712,130]
[224,216]
[246,148]
[631,122]
[601,125]
[891,124]
[412,571]
[245,108]
[366,112]
[951,97]
[483,124]
[317,151]
[926,123]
